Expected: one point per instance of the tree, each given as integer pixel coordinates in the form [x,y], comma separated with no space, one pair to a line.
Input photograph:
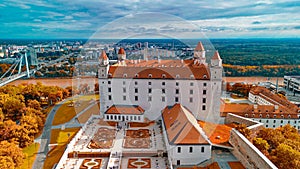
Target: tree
[262,145]
[6,162]
[242,128]
[13,108]
[13,152]
[285,156]
[1,116]
[34,104]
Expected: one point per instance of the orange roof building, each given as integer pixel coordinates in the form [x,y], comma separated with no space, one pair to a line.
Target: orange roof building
[186,142]
[129,113]
[133,82]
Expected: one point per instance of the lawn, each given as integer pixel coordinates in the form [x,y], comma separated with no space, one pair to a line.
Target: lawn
[83,118]
[30,154]
[69,109]
[61,136]
[62,139]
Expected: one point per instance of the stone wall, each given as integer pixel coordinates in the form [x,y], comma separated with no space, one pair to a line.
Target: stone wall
[232,118]
[243,149]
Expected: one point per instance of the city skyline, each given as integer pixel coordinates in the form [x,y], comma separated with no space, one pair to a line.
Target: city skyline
[78,19]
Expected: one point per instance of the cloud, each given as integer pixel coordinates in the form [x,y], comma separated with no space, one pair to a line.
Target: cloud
[216,17]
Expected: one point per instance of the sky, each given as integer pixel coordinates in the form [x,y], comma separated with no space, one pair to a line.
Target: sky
[40,19]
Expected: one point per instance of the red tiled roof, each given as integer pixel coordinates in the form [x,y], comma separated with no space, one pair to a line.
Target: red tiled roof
[125,109]
[273,98]
[155,69]
[199,47]
[121,51]
[181,126]
[103,55]
[216,56]
[262,111]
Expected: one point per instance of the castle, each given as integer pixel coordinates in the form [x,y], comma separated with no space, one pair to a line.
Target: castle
[155,84]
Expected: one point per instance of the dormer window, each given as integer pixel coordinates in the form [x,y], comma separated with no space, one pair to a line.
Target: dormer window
[289,116]
[246,115]
[150,75]
[260,115]
[274,116]
[136,75]
[192,76]
[163,76]
[177,76]
[109,75]
[282,116]
[204,76]
[124,75]
[267,116]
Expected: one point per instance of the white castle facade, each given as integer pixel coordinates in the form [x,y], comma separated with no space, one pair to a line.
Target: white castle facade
[155,84]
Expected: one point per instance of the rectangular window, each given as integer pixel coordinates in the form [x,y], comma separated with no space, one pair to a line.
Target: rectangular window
[124,82]
[177,91]
[203,107]
[163,90]
[191,149]
[178,149]
[149,83]
[177,83]
[136,98]
[109,97]
[149,90]
[109,82]
[136,90]
[202,149]
[124,90]
[178,162]
[136,83]
[204,91]
[191,91]
[191,100]
[124,98]
[109,89]
[149,98]
[163,83]
[163,99]
[176,99]
[191,84]
[203,100]
[204,84]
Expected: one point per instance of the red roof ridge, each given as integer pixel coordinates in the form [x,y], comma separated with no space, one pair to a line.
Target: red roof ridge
[103,55]
[216,56]
[121,51]
[199,47]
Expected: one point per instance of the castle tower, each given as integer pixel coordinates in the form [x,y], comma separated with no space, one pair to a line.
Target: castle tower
[216,71]
[199,54]
[102,76]
[122,56]
[103,64]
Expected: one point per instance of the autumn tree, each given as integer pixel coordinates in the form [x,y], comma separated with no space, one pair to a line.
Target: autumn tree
[34,104]
[242,128]
[284,156]
[6,162]
[13,108]
[9,152]
[261,144]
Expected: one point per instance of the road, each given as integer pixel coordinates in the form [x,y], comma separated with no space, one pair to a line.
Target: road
[45,137]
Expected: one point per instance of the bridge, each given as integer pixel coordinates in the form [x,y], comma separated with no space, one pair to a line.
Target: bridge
[12,77]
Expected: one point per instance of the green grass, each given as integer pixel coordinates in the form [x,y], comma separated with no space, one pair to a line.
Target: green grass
[30,154]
